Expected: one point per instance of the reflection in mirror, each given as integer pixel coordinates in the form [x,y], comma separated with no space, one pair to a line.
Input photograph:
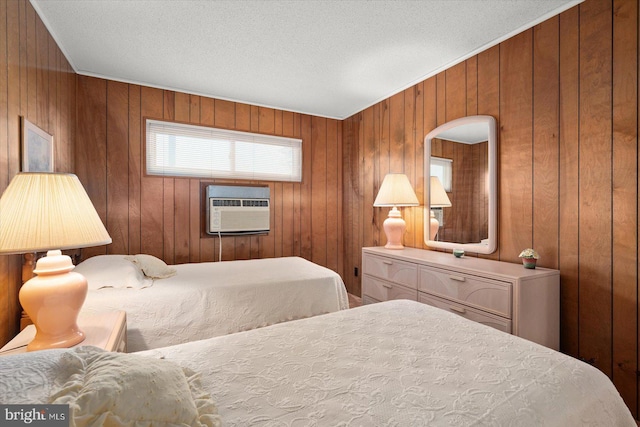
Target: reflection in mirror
[461,159]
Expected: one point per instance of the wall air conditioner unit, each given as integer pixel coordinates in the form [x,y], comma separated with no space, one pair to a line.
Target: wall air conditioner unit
[236,210]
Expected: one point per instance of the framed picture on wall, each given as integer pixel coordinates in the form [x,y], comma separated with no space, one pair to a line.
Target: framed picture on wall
[37,148]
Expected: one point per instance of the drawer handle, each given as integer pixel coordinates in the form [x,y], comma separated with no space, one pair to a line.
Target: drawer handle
[387,262]
[384,285]
[457,278]
[458,310]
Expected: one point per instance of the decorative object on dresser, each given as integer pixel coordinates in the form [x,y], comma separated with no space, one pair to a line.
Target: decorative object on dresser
[438,200]
[395,191]
[502,295]
[529,258]
[107,331]
[41,212]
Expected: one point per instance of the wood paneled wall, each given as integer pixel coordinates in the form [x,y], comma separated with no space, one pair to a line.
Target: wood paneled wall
[565,95]
[467,219]
[36,82]
[163,216]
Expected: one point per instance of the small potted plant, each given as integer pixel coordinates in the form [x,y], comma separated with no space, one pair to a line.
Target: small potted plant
[529,258]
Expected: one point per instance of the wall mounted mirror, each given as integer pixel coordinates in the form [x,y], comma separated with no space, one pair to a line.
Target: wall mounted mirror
[461,185]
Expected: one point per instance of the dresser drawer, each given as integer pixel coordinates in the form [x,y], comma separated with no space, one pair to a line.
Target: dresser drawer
[489,295]
[382,290]
[392,270]
[488,319]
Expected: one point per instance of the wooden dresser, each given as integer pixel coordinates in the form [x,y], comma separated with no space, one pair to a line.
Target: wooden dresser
[505,296]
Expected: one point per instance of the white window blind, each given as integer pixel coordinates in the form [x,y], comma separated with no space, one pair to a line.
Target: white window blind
[442,168]
[176,149]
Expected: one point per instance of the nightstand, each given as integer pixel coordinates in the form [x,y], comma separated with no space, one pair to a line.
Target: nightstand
[105,330]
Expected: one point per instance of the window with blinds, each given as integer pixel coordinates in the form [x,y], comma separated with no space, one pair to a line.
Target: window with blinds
[443,169]
[176,149]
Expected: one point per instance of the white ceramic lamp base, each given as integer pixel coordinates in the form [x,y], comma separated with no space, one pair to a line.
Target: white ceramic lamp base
[394,227]
[434,225]
[53,300]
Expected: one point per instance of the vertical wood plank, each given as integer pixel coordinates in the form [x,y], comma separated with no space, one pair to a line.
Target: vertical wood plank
[136,165]
[151,187]
[456,92]
[471,70]
[332,205]
[625,200]
[595,184]
[569,178]
[297,189]
[419,166]
[42,80]
[515,196]
[92,137]
[546,105]
[384,164]
[319,190]
[305,188]
[370,190]
[7,302]
[489,104]
[117,148]
[396,135]
[430,122]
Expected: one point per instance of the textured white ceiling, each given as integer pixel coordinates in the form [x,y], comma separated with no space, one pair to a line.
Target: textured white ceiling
[326,58]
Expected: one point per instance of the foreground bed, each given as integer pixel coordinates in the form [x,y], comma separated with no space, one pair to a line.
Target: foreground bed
[397,363]
[204,300]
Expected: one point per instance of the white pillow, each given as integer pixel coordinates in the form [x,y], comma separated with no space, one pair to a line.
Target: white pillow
[118,389]
[112,271]
[152,266]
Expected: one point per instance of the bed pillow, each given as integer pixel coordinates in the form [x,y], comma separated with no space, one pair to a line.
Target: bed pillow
[151,266]
[112,271]
[106,388]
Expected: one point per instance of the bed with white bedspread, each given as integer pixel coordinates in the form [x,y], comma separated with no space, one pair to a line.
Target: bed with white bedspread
[398,363]
[203,300]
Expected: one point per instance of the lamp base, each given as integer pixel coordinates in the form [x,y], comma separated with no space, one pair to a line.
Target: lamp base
[53,300]
[434,225]
[394,227]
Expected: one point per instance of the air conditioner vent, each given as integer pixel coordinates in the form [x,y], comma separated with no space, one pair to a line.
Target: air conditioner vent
[233,210]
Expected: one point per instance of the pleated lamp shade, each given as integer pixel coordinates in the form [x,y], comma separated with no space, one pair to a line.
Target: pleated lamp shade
[50,212]
[396,190]
[42,211]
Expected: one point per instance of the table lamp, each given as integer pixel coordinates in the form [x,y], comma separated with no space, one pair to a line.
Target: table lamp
[395,191]
[50,212]
[437,199]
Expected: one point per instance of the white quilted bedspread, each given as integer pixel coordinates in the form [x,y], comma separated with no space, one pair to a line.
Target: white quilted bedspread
[205,300]
[398,363]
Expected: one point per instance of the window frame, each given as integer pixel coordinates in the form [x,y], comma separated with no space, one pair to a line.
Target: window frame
[243,137]
[447,177]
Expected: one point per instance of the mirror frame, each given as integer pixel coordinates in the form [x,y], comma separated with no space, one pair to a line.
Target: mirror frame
[493,187]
